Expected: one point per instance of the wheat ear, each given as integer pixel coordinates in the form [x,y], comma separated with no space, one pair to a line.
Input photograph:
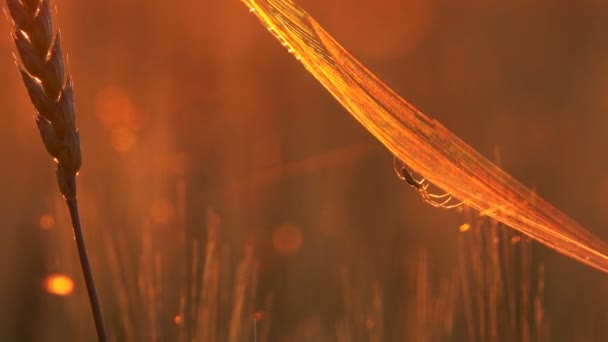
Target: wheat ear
[51,93]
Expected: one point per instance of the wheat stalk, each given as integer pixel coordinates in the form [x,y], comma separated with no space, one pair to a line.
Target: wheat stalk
[51,93]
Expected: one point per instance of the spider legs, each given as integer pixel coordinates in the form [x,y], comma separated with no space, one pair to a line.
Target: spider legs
[421,185]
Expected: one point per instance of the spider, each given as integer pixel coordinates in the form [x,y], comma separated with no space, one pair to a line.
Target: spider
[437,201]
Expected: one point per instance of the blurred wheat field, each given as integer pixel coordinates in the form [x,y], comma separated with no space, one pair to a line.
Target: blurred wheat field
[225,195]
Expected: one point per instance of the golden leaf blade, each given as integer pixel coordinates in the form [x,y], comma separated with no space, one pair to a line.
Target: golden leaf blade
[423,143]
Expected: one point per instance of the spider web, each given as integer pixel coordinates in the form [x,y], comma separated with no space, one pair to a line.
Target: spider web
[423,143]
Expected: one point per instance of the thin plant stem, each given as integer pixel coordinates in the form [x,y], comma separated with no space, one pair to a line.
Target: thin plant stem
[85,265]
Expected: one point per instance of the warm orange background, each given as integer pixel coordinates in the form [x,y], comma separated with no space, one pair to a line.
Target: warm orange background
[189,105]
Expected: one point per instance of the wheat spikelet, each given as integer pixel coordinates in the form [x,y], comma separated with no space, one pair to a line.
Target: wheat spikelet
[50,91]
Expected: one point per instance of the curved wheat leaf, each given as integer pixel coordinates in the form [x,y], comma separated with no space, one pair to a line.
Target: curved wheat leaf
[423,143]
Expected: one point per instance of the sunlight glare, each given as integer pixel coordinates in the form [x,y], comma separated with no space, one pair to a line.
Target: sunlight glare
[122,138]
[162,211]
[46,222]
[287,239]
[114,107]
[59,284]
